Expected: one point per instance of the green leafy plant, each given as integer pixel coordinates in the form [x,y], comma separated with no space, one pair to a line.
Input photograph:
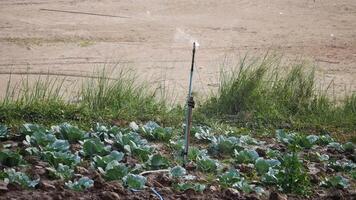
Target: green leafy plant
[114,170]
[135,181]
[292,176]
[58,146]
[29,129]
[103,161]
[194,154]
[94,146]
[177,172]
[153,131]
[3,132]
[62,172]
[202,133]
[10,158]
[68,132]
[325,140]
[349,147]
[190,186]
[158,161]
[335,146]
[262,165]
[229,178]
[40,138]
[20,178]
[65,158]
[336,182]
[246,156]
[80,185]
[224,145]
[206,164]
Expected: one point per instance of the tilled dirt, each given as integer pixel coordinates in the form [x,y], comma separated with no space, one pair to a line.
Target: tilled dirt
[71,37]
[115,191]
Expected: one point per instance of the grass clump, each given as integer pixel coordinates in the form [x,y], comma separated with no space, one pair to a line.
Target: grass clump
[263,92]
[100,98]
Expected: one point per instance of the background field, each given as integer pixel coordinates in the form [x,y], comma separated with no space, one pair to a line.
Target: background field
[152,36]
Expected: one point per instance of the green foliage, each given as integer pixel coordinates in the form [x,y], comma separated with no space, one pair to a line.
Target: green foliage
[267,92]
[115,171]
[153,131]
[206,164]
[292,176]
[10,158]
[94,146]
[335,146]
[349,147]
[246,156]
[262,165]
[20,178]
[135,181]
[229,178]
[69,132]
[190,186]
[103,161]
[342,165]
[224,145]
[29,129]
[58,146]
[177,172]
[80,185]
[202,133]
[158,161]
[62,172]
[38,135]
[55,158]
[336,182]
[3,132]
[194,154]
[297,140]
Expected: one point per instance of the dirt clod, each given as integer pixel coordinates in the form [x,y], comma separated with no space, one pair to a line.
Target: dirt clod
[277,196]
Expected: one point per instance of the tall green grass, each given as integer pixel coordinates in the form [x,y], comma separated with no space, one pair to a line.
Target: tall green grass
[265,92]
[50,99]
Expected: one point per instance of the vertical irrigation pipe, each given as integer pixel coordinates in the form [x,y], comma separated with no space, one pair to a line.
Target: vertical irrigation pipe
[190,106]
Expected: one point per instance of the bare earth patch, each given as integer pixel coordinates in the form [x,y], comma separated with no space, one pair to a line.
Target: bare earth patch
[152,36]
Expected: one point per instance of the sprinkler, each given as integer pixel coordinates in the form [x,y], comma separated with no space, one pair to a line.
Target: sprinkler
[189,112]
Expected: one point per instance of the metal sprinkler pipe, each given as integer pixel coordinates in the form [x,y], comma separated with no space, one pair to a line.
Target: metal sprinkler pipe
[190,106]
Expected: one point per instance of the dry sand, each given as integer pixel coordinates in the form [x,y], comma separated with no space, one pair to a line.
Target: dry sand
[152,36]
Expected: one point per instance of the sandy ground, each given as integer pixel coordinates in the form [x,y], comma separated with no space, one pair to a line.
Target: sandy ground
[152,36]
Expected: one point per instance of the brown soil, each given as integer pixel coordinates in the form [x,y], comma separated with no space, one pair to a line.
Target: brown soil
[74,36]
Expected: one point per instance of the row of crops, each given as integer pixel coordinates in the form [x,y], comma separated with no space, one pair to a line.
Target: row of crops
[292,163]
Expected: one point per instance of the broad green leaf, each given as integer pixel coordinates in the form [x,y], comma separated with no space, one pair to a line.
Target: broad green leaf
[349,147]
[262,165]
[62,172]
[20,178]
[157,161]
[80,185]
[103,161]
[177,172]
[135,181]
[69,132]
[336,182]
[3,131]
[94,146]
[66,158]
[229,178]
[246,156]
[10,158]
[206,164]
[115,170]
[193,186]
[58,145]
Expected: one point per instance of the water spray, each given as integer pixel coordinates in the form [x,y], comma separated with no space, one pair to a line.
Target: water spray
[190,106]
